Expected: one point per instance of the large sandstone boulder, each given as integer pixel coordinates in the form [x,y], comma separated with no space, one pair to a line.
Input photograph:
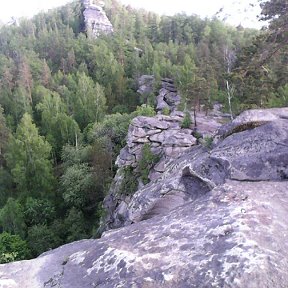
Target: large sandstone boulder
[252,118]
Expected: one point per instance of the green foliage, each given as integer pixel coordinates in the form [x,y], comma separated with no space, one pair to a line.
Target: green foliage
[78,185]
[72,155]
[28,159]
[12,218]
[208,142]
[38,211]
[12,248]
[4,132]
[58,127]
[187,121]
[146,163]
[166,111]
[41,238]
[75,225]
[144,110]
[89,101]
[6,186]
[129,183]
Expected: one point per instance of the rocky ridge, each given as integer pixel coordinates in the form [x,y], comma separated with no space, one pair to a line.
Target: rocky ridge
[96,21]
[217,217]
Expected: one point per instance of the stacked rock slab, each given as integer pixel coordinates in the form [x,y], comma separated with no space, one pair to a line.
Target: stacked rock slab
[96,21]
[163,134]
[168,97]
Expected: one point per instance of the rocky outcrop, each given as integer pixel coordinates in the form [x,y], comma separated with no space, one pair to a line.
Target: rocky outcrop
[250,119]
[168,97]
[162,133]
[96,21]
[145,84]
[217,217]
[167,139]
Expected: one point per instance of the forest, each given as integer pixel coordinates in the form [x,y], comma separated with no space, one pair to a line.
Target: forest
[66,101]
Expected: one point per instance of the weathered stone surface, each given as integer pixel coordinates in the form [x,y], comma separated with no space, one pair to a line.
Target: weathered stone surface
[234,236]
[161,104]
[174,152]
[125,158]
[167,80]
[172,98]
[168,97]
[96,21]
[167,139]
[145,83]
[160,137]
[160,166]
[258,154]
[150,123]
[252,118]
[252,155]
[180,140]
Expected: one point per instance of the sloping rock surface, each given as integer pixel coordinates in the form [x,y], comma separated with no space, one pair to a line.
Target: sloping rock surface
[234,236]
[216,217]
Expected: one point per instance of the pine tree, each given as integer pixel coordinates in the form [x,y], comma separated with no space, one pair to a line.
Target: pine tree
[28,159]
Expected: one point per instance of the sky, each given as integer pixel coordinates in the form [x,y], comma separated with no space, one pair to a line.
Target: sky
[235,12]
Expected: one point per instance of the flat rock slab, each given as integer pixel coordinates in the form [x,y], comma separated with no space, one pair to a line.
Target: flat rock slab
[234,236]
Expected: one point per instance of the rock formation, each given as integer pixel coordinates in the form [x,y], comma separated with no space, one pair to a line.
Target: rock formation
[96,21]
[168,97]
[145,84]
[216,217]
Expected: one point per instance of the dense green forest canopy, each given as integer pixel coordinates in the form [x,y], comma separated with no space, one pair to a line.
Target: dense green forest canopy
[66,101]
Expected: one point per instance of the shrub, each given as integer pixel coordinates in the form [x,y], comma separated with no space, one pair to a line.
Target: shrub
[208,141]
[12,248]
[166,111]
[144,110]
[129,183]
[147,162]
[186,121]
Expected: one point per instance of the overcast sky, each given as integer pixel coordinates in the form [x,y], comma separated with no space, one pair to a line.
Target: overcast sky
[236,11]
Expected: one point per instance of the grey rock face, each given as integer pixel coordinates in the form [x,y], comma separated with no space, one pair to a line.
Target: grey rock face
[168,96]
[165,137]
[145,83]
[96,21]
[252,118]
[259,154]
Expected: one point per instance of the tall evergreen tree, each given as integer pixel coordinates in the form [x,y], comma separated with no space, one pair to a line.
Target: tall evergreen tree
[28,160]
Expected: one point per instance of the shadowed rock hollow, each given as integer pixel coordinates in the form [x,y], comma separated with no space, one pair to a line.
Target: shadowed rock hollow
[216,218]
